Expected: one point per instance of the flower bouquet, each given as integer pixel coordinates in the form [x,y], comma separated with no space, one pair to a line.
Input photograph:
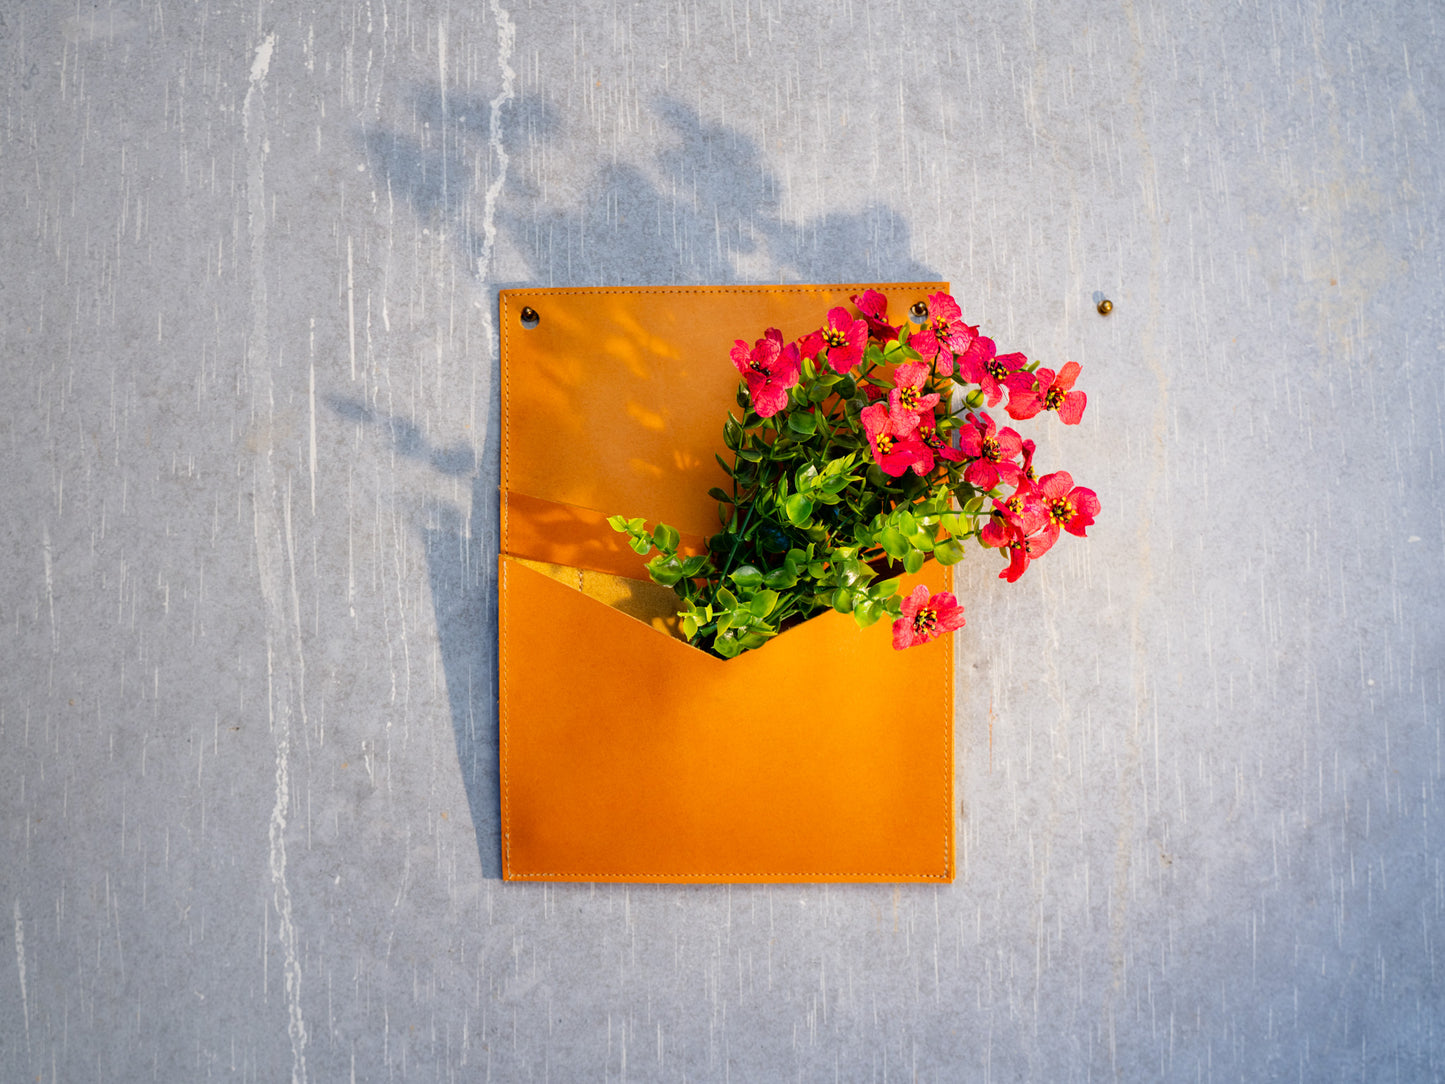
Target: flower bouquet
[862,450]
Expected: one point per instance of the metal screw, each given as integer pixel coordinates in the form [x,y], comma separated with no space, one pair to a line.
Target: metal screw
[1105,307]
[919,312]
[530,319]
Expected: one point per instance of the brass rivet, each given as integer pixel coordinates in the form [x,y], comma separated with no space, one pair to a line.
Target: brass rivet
[1105,307]
[919,312]
[530,318]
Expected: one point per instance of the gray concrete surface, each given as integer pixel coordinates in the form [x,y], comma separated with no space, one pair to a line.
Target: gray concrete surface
[248,824]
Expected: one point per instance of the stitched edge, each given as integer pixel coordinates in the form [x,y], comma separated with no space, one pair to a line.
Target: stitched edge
[950,699]
[731,877]
[551,291]
[503,409]
[502,722]
[754,288]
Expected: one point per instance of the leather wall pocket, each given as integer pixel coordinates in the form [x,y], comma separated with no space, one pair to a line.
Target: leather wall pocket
[626,754]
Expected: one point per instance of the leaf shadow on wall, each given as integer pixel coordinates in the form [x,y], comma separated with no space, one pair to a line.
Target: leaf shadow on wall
[708,209]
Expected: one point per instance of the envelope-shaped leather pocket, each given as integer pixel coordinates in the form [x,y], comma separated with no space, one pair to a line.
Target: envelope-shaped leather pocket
[626,754]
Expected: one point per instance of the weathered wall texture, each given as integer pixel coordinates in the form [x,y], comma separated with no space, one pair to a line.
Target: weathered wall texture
[248,822]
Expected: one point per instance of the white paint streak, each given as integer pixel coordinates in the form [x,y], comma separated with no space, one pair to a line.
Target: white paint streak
[311,403]
[351,306]
[20,964]
[49,584]
[506,35]
[270,555]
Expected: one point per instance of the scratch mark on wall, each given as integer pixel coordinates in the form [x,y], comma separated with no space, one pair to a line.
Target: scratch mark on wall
[271,555]
[20,964]
[506,36]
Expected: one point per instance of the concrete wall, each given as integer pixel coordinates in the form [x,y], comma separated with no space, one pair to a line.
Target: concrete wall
[248,821]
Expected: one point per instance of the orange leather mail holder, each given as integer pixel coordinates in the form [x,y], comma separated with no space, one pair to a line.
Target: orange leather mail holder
[626,754]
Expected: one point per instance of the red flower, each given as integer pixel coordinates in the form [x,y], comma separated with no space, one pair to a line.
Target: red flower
[1069,506]
[925,617]
[1019,556]
[992,450]
[892,438]
[909,383]
[1002,533]
[874,307]
[1029,472]
[934,447]
[770,369]
[999,531]
[811,344]
[989,372]
[844,338]
[1025,509]
[943,335]
[1030,393]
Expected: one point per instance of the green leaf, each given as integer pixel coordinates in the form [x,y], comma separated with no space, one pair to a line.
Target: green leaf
[867,613]
[850,571]
[636,525]
[689,626]
[762,603]
[948,552]
[641,545]
[732,433]
[893,543]
[904,521]
[843,600]
[727,599]
[780,579]
[665,569]
[747,577]
[617,523]
[883,590]
[720,495]
[952,522]
[913,561]
[798,509]
[694,565]
[666,538]
[726,646]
